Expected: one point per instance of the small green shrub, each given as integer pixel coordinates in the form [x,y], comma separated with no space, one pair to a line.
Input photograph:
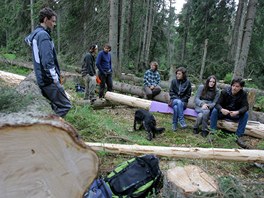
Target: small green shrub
[12,101]
[259,105]
[228,78]
[9,56]
[15,69]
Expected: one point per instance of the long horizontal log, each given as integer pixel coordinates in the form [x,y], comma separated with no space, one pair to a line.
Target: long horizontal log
[164,97]
[131,77]
[165,84]
[127,77]
[254,129]
[128,89]
[242,155]
[137,90]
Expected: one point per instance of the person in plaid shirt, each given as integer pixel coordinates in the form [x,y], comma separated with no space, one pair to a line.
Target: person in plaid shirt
[151,81]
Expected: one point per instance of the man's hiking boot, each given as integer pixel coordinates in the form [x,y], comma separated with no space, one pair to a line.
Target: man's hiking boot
[241,143]
[195,131]
[205,133]
[174,127]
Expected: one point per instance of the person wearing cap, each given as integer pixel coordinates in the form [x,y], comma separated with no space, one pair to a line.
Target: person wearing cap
[89,73]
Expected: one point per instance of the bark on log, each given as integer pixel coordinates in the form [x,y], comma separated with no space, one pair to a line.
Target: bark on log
[130,89]
[185,181]
[41,154]
[133,78]
[126,77]
[137,90]
[164,97]
[253,129]
[242,155]
[165,84]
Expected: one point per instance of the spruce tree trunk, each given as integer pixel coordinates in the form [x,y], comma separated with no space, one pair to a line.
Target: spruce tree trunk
[204,59]
[113,36]
[234,39]
[242,61]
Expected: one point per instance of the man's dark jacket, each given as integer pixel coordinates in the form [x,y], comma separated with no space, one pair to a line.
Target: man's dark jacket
[231,102]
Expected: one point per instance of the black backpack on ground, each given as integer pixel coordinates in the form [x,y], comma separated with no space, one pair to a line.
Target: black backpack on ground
[137,177]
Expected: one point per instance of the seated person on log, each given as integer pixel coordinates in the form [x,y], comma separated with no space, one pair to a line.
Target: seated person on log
[232,104]
[180,92]
[151,81]
[205,100]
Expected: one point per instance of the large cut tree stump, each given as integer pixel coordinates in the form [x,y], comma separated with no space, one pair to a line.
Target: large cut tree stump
[44,158]
[186,181]
[41,155]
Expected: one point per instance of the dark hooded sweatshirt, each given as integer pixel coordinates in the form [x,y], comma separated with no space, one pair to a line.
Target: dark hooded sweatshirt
[46,65]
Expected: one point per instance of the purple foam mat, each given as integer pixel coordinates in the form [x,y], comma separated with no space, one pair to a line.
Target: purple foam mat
[165,108]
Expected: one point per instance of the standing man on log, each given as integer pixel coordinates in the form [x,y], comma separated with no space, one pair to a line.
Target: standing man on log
[46,65]
[233,105]
[104,65]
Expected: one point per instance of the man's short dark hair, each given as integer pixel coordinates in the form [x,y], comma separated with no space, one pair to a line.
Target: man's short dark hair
[46,12]
[92,47]
[107,46]
[238,80]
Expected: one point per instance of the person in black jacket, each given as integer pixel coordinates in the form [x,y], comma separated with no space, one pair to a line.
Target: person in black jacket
[232,104]
[89,73]
[180,92]
[46,66]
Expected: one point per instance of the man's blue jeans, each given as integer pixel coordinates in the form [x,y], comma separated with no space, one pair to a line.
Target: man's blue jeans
[242,121]
[178,107]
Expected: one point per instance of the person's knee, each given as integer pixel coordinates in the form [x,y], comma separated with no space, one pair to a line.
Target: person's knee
[200,115]
[214,112]
[149,96]
[246,115]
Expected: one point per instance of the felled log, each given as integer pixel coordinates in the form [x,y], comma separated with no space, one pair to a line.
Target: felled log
[131,77]
[164,97]
[42,155]
[242,155]
[165,84]
[254,129]
[186,181]
[12,79]
[137,90]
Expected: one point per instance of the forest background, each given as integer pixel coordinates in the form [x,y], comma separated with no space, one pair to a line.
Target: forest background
[208,36]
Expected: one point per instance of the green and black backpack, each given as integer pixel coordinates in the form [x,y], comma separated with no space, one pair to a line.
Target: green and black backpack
[137,177]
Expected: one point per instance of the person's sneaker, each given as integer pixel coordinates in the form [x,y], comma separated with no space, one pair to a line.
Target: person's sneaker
[195,131]
[241,143]
[183,124]
[211,137]
[174,127]
[205,133]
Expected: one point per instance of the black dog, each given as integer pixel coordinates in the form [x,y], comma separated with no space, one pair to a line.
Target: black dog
[146,119]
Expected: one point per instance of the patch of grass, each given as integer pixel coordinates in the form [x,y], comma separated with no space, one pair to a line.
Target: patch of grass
[12,101]
[15,69]
[261,144]
[9,56]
